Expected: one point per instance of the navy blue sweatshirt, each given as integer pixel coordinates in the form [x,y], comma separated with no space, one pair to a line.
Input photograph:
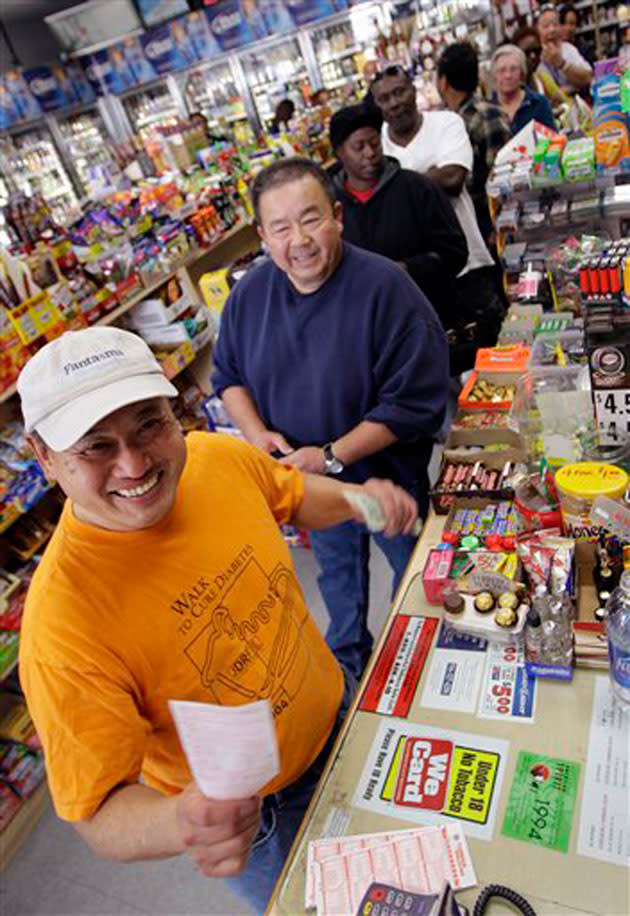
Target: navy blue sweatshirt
[367,345]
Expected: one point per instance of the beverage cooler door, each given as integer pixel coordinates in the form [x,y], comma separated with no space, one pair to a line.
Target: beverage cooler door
[339,55]
[90,147]
[213,91]
[275,72]
[32,165]
[151,108]
[5,238]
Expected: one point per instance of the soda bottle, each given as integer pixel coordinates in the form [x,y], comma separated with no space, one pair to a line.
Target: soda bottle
[618,616]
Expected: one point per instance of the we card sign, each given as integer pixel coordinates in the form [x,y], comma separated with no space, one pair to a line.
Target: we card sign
[423,774]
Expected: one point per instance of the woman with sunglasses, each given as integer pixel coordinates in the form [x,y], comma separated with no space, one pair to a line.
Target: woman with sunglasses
[539,79]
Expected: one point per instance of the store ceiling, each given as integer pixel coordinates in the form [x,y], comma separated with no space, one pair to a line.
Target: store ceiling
[14,10]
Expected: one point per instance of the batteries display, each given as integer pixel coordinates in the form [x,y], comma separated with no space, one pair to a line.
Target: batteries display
[606,277]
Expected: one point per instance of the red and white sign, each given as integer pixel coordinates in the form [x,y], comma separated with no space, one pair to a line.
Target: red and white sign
[394,680]
[423,774]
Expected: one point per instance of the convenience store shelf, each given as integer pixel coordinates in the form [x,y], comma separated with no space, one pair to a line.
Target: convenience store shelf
[342,81]
[189,260]
[21,824]
[13,516]
[4,674]
[609,23]
[347,52]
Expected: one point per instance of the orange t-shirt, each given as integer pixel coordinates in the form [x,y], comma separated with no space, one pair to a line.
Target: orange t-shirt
[203,606]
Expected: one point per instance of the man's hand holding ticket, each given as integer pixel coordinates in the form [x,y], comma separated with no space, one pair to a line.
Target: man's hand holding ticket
[232,753]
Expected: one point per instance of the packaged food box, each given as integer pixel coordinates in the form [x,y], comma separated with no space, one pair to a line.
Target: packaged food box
[509,358]
[488,390]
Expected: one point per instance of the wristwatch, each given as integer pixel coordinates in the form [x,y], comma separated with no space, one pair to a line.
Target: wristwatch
[332,465]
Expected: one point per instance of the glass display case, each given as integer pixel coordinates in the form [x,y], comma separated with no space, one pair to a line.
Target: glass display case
[5,238]
[378,32]
[212,90]
[339,55]
[152,107]
[31,164]
[88,143]
[273,73]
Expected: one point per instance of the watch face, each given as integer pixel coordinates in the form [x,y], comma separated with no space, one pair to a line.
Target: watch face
[334,466]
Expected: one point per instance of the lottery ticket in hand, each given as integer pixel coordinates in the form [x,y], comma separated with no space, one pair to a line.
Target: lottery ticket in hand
[232,751]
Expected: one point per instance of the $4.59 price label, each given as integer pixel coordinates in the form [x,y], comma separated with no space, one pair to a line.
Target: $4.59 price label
[612,410]
[542,800]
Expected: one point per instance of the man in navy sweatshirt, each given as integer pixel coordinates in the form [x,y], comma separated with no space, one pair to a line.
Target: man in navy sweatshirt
[332,357]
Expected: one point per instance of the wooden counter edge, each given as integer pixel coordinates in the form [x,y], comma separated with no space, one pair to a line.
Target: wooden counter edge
[184,263]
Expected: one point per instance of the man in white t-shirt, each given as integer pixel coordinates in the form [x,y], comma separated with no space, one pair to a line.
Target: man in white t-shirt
[436,144]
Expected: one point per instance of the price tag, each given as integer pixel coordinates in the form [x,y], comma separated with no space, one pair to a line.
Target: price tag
[612,516]
[612,411]
[491,582]
[507,690]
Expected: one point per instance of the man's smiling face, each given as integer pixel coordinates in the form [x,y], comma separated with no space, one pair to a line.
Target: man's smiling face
[123,474]
[302,230]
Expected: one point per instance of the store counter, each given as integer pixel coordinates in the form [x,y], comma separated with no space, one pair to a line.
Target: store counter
[360,791]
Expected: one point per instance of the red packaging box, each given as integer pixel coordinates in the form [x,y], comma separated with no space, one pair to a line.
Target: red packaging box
[435,574]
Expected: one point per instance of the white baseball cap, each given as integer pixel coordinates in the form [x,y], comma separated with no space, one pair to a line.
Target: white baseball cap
[83,376]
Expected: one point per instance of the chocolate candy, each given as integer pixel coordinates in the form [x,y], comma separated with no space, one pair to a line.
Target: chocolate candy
[484,602]
[505,617]
[507,600]
[484,390]
[454,603]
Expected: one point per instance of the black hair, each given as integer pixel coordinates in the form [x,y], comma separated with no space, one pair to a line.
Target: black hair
[199,115]
[563,11]
[285,110]
[284,171]
[525,31]
[460,65]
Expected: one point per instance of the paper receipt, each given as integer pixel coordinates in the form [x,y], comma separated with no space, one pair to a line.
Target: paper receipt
[232,751]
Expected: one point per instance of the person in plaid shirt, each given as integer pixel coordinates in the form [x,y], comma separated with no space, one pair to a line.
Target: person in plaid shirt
[487,126]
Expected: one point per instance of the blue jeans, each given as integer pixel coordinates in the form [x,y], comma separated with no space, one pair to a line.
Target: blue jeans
[343,554]
[282,814]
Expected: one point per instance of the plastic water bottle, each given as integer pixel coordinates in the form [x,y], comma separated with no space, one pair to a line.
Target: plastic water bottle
[618,615]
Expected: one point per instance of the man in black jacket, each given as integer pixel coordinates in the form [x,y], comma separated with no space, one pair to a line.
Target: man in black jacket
[395,212]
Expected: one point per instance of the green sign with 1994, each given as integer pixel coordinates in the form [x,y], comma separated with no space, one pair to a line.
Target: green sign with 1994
[541,802]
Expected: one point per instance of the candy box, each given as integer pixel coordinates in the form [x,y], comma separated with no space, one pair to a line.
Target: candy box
[508,358]
[435,574]
[481,518]
[477,393]
[487,445]
[215,289]
[474,623]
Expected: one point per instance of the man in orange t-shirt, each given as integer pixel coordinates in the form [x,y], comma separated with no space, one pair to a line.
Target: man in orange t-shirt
[168,578]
